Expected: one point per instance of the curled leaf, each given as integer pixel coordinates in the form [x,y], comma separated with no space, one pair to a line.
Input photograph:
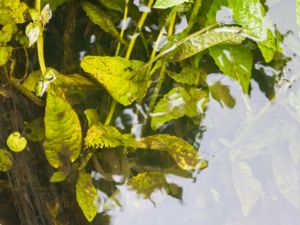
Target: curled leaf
[16,142]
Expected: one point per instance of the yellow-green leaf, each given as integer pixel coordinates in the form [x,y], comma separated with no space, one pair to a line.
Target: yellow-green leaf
[6,32]
[32,32]
[234,61]
[16,142]
[181,151]
[5,53]
[13,9]
[113,4]
[86,195]
[46,14]
[202,40]
[177,103]
[35,130]
[57,176]
[163,4]
[146,183]
[100,18]
[62,130]
[221,93]
[5,160]
[121,77]
[188,75]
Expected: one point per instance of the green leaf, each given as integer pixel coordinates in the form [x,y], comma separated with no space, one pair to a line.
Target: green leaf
[5,53]
[32,32]
[250,15]
[13,9]
[121,77]
[163,4]
[113,4]
[188,75]
[203,40]
[7,32]
[62,130]
[104,136]
[54,4]
[212,12]
[86,195]
[182,152]
[234,61]
[16,142]
[146,183]
[100,18]
[177,103]
[221,93]
[35,130]
[5,160]
[57,176]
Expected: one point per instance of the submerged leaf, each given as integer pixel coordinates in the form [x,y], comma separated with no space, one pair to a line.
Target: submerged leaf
[188,75]
[163,4]
[221,93]
[16,142]
[121,77]
[5,53]
[86,195]
[234,61]
[181,151]
[5,160]
[113,4]
[57,176]
[35,130]
[62,130]
[203,40]
[146,183]
[177,103]
[100,18]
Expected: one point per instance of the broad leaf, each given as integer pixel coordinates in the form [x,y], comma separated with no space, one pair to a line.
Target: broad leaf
[113,4]
[146,183]
[203,40]
[104,136]
[16,142]
[177,103]
[13,9]
[5,53]
[221,93]
[32,32]
[212,12]
[6,32]
[250,15]
[181,151]
[35,130]
[121,77]
[62,130]
[5,160]
[86,195]
[100,18]
[234,61]
[57,176]
[163,4]
[188,75]
[46,14]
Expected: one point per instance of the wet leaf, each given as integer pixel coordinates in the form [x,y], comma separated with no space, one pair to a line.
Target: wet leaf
[250,15]
[163,4]
[7,32]
[62,130]
[113,4]
[16,142]
[188,75]
[177,103]
[146,183]
[35,130]
[32,32]
[234,61]
[104,136]
[5,54]
[119,76]
[203,40]
[181,151]
[100,18]
[221,93]
[86,195]
[5,160]
[13,9]
[57,176]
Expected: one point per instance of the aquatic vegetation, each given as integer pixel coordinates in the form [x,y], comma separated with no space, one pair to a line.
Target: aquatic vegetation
[84,71]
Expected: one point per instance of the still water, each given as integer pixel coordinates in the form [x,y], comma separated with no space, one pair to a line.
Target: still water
[253,152]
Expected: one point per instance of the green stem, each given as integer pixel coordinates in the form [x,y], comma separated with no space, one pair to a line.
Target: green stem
[139,27]
[40,42]
[123,28]
[111,112]
[194,14]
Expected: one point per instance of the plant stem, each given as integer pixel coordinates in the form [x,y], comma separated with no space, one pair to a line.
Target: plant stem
[194,14]
[111,112]
[123,28]
[140,25]
[40,42]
